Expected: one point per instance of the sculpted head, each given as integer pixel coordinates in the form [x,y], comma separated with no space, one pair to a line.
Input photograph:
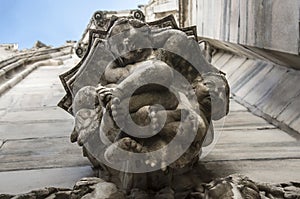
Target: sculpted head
[130,39]
[219,94]
[212,91]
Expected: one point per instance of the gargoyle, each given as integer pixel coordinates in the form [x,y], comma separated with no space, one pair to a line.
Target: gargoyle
[139,87]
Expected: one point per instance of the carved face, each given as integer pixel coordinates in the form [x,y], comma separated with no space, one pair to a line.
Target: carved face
[219,93]
[212,92]
[202,92]
[131,44]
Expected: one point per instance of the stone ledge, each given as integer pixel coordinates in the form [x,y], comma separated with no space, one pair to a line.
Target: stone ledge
[233,186]
[266,89]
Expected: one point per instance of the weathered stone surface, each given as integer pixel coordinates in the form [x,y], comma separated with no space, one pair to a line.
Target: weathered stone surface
[236,69]
[47,114]
[233,186]
[271,136]
[223,60]
[242,74]
[216,57]
[255,151]
[39,44]
[253,82]
[236,107]
[36,129]
[40,153]
[296,124]
[1,143]
[243,121]
[271,171]
[274,103]
[239,151]
[22,181]
[25,104]
[232,65]
[266,89]
[263,23]
[13,72]
[101,83]
[290,113]
[266,85]
[7,51]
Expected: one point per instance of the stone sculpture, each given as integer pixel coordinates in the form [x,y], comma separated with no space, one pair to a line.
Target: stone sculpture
[234,186]
[139,87]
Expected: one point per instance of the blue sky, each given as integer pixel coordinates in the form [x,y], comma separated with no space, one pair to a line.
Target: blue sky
[51,21]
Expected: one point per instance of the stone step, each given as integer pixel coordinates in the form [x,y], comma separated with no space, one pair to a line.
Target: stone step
[271,171]
[38,153]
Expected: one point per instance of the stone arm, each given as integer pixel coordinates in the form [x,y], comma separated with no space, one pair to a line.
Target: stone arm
[113,73]
[177,43]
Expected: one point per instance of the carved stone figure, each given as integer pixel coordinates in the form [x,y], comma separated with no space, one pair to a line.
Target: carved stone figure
[152,77]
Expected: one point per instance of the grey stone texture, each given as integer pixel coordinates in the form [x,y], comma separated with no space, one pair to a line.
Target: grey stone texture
[15,68]
[35,150]
[268,24]
[269,90]
[40,142]
[233,186]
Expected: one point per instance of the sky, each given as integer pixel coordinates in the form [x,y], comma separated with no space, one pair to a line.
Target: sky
[51,21]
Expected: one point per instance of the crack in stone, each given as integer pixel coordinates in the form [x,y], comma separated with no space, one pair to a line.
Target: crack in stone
[2,142]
